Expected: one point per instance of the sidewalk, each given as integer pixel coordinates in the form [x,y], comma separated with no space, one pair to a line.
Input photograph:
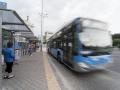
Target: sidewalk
[29,74]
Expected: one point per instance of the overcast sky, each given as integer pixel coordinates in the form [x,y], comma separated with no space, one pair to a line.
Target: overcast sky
[61,11]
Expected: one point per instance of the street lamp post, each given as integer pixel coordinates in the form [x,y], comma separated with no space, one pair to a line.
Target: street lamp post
[42,14]
[41,24]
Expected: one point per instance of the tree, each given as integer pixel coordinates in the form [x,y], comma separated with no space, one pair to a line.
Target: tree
[116,40]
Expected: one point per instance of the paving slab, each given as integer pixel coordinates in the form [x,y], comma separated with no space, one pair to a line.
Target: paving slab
[29,74]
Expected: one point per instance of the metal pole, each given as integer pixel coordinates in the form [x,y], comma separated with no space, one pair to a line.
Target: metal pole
[0,35]
[1,49]
[41,24]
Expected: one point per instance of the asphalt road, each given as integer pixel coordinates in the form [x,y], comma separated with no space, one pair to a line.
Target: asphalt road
[108,79]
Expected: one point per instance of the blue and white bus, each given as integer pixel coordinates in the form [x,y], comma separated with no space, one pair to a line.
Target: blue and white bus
[84,45]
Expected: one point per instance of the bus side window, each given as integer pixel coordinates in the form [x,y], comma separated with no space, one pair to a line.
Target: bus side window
[54,44]
[64,42]
[61,43]
[70,42]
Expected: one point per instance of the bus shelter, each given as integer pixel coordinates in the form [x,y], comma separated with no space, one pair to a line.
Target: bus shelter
[27,34]
[11,22]
[25,43]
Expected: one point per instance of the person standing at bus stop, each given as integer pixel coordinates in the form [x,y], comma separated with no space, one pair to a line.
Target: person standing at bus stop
[9,57]
[30,49]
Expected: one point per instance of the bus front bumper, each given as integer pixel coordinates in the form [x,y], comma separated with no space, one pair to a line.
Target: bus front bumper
[82,67]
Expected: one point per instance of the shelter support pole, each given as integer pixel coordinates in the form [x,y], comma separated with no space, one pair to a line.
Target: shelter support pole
[1,50]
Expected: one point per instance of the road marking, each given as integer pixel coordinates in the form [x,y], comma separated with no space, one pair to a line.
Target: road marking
[66,84]
[51,79]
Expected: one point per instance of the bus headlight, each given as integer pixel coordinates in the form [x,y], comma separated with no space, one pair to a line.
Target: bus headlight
[83,65]
[85,52]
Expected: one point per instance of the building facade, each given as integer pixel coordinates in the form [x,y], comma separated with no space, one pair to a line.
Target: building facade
[3,5]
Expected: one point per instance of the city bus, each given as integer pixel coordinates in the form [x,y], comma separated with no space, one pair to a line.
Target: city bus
[83,45]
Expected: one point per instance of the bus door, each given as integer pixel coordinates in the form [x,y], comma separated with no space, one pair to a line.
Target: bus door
[68,49]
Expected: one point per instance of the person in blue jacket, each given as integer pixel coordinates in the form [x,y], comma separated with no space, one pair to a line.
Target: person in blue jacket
[9,58]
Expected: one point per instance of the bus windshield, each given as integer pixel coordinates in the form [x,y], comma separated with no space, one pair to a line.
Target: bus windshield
[95,37]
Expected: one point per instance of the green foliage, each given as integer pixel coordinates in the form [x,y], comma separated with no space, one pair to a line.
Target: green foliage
[116,40]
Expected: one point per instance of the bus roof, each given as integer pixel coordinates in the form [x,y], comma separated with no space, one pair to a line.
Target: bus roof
[76,20]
